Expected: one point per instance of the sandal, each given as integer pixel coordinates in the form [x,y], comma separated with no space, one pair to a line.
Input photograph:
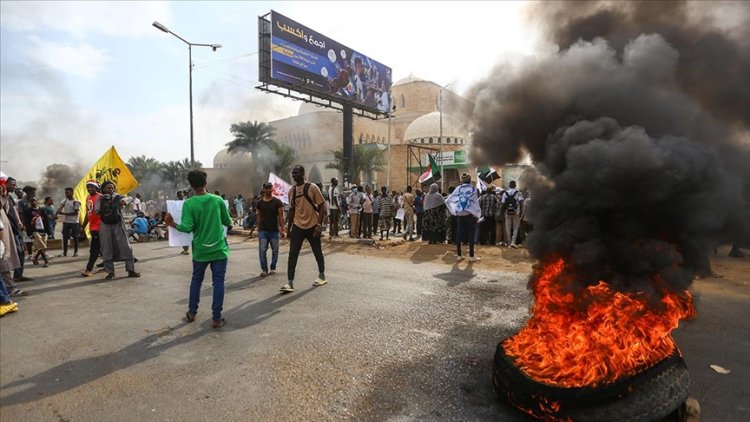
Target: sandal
[109,276]
[133,274]
[219,323]
[189,316]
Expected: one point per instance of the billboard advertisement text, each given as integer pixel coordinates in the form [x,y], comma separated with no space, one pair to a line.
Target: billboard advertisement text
[310,60]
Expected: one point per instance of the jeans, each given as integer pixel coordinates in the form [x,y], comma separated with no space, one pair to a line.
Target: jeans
[296,237]
[51,229]
[95,248]
[264,238]
[512,223]
[4,295]
[70,231]
[218,271]
[466,228]
[334,221]
[20,248]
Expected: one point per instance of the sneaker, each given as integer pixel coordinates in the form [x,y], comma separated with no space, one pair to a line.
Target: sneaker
[7,308]
[263,274]
[474,259]
[190,316]
[319,282]
[75,254]
[287,288]
[272,272]
[87,273]
[459,258]
[514,246]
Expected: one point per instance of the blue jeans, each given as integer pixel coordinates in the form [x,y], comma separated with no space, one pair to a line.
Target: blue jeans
[4,296]
[264,238]
[218,271]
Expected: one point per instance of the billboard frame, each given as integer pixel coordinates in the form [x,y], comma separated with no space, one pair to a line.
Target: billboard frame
[298,91]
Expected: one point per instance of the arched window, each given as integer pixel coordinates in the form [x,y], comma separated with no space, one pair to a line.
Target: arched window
[403,101]
[448,141]
[430,140]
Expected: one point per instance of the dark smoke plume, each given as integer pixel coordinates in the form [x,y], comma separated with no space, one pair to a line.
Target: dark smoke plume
[56,178]
[640,174]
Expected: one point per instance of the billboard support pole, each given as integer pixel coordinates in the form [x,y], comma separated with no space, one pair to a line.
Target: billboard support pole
[388,176]
[348,142]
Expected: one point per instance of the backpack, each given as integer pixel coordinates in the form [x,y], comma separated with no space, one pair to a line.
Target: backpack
[305,194]
[511,204]
[109,210]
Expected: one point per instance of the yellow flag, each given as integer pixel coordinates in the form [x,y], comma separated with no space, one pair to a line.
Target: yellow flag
[109,167]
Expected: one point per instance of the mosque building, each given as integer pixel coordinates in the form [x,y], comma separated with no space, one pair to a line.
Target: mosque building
[414,128]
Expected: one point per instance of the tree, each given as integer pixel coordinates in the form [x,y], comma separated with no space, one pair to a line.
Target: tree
[250,136]
[142,167]
[366,159]
[176,171]
[285,157]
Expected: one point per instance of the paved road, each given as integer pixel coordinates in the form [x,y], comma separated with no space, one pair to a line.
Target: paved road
[386,339]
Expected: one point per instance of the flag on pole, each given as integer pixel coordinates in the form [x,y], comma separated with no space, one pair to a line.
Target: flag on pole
[488,174]
[109,167]
[280,188]
[432,174]
[481,186]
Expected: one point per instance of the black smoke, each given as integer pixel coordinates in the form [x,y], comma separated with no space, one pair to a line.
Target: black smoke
[640,173]
[56,178]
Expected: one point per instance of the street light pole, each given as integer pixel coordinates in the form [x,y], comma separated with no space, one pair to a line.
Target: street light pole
[440,141]
[190,45]
[388,176]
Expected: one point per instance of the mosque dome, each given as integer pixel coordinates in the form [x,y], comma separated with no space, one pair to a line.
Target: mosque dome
[225,159]
[409,79]
[306,108]
[427,128]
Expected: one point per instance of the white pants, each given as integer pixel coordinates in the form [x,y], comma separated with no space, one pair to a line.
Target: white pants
[512,223]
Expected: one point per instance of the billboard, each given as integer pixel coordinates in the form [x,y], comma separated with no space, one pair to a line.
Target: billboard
[307,59]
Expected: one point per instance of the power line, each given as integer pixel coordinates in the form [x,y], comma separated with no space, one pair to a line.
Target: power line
[223,61]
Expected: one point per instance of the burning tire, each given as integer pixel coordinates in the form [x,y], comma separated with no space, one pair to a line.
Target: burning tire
[647,396]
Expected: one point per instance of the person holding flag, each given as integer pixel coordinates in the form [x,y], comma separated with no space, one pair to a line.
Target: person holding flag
[432,174]
[464,204]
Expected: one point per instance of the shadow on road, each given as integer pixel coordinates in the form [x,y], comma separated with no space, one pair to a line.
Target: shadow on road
[456,276]
[75,373]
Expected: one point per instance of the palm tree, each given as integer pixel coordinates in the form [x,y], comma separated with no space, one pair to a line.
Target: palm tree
[188,165]
[366,159]
[285,157]
[173,172]
[142,167]
[250,136]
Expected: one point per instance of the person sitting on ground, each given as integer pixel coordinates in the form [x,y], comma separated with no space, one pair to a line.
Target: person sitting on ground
[139,227]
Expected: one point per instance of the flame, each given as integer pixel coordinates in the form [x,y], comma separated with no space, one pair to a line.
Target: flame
[594,338]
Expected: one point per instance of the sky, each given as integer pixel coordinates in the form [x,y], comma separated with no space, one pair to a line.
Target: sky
[78,77]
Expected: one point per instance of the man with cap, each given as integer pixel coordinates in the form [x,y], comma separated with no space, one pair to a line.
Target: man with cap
[270,214]
[464,204]
[94,222]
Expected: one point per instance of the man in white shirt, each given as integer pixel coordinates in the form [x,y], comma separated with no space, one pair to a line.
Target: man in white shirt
[137,204]
[355,205]
[513,206]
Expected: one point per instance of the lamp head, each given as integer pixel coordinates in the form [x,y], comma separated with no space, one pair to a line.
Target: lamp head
[215,46]
[160,27]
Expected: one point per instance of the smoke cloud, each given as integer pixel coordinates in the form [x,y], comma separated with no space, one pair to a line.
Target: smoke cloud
[639,166]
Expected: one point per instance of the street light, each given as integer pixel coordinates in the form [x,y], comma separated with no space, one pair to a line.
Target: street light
[190,45]
[440,141]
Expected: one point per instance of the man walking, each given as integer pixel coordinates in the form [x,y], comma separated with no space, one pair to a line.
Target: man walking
[205,216]
[270,213]
[94,222]
[70,210]
[333,208]
[306,213]
[112,235]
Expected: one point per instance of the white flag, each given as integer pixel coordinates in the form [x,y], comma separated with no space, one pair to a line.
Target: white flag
[280,188]
[481,185]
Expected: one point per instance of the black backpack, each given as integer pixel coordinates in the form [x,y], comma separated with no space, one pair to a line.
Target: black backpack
[511,204]
[109,209]
[305,194]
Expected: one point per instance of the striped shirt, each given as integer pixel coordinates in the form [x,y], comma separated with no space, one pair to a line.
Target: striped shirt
[386,204]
